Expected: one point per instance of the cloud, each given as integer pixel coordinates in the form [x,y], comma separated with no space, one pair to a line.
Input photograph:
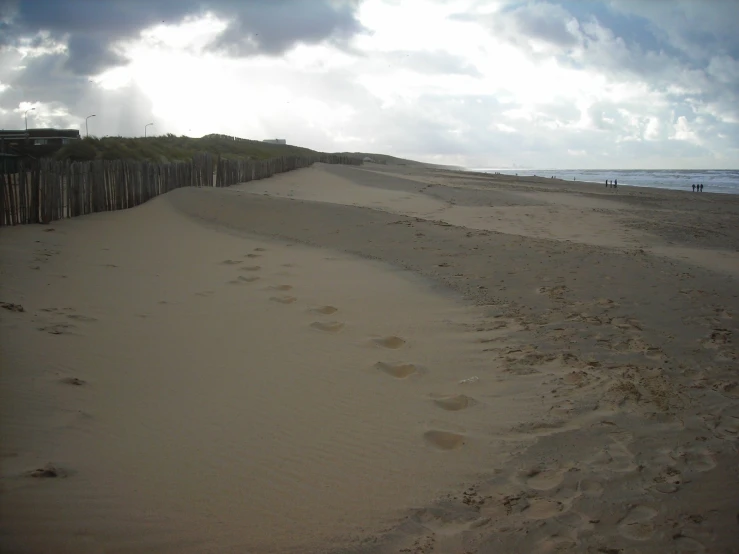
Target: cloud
[478,83]
[437,62]
[63,100]
[274,26]
[92,29]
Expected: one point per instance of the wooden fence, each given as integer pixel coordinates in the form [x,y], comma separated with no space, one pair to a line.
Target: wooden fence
[40,191]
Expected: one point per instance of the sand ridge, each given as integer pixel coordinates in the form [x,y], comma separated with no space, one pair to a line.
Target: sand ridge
[589,402]
[275,389]
[637,347]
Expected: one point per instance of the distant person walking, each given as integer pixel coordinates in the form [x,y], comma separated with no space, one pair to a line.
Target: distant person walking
[701,187]
[693,187]
[615,183]
[606,182]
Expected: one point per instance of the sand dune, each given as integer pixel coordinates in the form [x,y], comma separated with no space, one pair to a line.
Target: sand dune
[183,412]
[593,219]
[395,360]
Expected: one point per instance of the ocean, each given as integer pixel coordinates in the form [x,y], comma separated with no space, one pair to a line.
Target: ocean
[713,180]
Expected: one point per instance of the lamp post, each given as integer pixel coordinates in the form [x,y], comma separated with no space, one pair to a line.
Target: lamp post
[145,126]
[87,134]
[25,115]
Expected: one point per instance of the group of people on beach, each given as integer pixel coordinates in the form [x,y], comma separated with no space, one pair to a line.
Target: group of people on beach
[613,183]
[697,188]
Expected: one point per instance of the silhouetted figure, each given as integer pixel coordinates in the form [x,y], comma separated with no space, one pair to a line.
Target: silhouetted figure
[615,183]
[693,187]
[701,187]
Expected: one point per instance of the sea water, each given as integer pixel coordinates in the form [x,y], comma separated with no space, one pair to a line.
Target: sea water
[713,180]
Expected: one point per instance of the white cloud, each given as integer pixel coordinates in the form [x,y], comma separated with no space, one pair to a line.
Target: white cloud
[451,81]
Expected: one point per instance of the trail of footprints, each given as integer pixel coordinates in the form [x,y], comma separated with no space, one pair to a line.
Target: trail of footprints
[439,439]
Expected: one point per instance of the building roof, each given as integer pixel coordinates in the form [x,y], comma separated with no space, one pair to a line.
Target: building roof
[45,131]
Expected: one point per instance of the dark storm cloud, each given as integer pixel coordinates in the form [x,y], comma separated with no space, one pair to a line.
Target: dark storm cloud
[63,100]
[272,27]
[92,27]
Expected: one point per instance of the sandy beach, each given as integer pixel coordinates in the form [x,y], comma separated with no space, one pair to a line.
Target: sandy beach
[374,359]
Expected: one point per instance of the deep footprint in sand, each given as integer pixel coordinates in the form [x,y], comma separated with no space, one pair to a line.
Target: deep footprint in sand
[241,279]
[543,508]
[444,440]
[543,479]
[72,381]
[253,256]
[281,287]
[398,370]
[325,310]
[590,487]
[696,458]
[283,299]
[231,262]
[637,525]
[58,329]
[79,317]
[328,326]
[453,402]
[392,342]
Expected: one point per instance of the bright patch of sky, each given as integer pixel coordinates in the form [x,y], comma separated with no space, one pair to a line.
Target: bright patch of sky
[474,83]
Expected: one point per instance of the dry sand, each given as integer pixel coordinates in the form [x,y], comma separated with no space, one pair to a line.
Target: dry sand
[285,366]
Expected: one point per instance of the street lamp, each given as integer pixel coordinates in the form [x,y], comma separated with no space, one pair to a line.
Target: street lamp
[87,134]
[25,115]
[145,126]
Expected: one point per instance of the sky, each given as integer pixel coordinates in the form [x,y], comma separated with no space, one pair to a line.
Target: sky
[618,84]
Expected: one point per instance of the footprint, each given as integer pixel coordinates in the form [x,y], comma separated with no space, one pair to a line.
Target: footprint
[543,479]
[79,317]
[260,250]
[444,440]
[281,287]
[283,299]
[637,524]
[543,508]
[391,342]
[590,487]
[686,544]
[399,370]
[231,262]
[253,256]
[329,327]
[251,268]
[58,329]
[616,457]
[241,279]
[668,481]
[556,543]
[454,402]
[696,458]
[72,381]
[49,471]
[325,310]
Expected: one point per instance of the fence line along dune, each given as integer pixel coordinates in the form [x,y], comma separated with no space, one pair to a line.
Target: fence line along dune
[40,191]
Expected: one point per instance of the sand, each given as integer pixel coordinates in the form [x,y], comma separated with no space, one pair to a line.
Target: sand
[374,359]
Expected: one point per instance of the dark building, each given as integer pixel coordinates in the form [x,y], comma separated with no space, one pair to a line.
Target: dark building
[37,143]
